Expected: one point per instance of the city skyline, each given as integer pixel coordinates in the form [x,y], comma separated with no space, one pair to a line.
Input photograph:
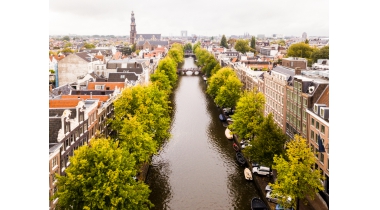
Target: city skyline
[290,18]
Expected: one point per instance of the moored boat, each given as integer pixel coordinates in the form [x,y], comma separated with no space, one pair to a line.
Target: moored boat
[258,204]
[228,134]
[222,118]
[236,147]
[247,174]
[240,158]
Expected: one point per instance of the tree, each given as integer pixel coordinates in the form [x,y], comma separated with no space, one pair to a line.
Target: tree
[133,48]
[229,92]
[176,55]
[188,46]
[169,66]
[306,41]
[231,42]
[67,44]
[223,42]
[89,45]
[242,46]
[322,53]
[294,175]
[248,114]
[100,176]
[126,50]
[211,63]
[196,46]
[67,38]
[253,43]
[268,142]
[300,50]
[217,80]
[162,81]
[67,50]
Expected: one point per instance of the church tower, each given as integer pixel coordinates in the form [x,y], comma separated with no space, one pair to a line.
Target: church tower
[132,37]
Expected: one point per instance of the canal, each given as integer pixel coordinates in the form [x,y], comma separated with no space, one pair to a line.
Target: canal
[197,168]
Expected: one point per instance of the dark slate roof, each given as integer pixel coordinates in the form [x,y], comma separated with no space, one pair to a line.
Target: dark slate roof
[54,146]
[153,43]
[64,90]
[283,70]
[116,77]
[231,53]
[85,56]
[136,70]
[55,123]
[54,112]
[148,36]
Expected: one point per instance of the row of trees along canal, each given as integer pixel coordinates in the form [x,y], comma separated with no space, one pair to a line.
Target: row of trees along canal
[101,174]
[293,164]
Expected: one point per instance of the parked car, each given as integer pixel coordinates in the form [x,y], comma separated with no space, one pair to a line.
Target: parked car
[262,170]
[268,188]
[272,198]
[279,207]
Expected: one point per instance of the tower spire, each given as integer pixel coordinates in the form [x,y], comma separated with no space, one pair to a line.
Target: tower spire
[132,37]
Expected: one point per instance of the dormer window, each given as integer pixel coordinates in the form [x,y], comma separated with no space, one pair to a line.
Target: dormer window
[99,87]
[122,76]
[315,108]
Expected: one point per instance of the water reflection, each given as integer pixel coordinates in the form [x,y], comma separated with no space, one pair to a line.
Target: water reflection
[197,168]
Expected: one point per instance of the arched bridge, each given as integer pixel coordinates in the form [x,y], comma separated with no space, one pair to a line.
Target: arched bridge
[194,71]
[189,53]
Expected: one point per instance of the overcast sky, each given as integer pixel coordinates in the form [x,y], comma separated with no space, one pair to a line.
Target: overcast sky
[200,17]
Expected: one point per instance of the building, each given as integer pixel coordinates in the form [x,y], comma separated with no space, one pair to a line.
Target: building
[275,82]
[304,35]
[301,92]
[318,125]
[132,35]
[54,169]
[294,62]
[75,65]
[183,33]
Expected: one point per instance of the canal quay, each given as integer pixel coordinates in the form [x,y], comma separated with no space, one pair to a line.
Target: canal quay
[197,167]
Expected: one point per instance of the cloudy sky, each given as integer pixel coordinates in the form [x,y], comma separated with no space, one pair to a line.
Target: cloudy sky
[200,17]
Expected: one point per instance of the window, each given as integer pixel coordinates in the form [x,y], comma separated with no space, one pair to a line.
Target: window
[304,115]
[304,101]
[54,162]
[323,129]
[81,116]
[122,76]
[312,135]
[300,86]
[299,99]
[316,137]
[99,87]
[67,127]
[303,127]
[67,143]
[317,125]
[322,157]
[312,121]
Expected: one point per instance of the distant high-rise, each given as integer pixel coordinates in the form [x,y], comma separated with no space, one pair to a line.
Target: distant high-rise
[304,35]
[183,33]
[132,37]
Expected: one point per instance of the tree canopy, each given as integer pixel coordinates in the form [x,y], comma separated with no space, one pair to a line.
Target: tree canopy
[268,142]
[248,114]
[253,43]
[229,92]
[126,50]
[67,38]
[217,80]
[188,46]
[100,176]
[89,45]
[242,46]
[295,177]
[300,50]
[223,42]
[322,53]
[176,53]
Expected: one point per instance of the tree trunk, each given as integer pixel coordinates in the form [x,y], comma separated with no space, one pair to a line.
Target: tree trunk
[298,204]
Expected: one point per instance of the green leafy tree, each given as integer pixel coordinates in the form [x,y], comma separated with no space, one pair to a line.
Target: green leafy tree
[176,55]
[294,175]
[306,41]
[162,81]
[299,50]
[196,46]
[242,46]
[89,45]
[188,46]
[248,114]
[100,176]
[67,50]
[133,48]
[126,51]
[211,63]
[68,44]
[169,66]
[268,142]
[322,53]
[216,69]
[229,93]
[231,42]
[223,42]
[253,43]
[67,38]
[217,80]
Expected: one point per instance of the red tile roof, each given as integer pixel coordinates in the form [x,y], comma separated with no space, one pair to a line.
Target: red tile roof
[84,97]
[63,103]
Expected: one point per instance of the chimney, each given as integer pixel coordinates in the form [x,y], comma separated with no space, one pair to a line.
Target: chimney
[135,64]
[298,71]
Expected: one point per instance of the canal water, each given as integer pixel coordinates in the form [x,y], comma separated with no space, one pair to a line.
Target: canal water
[197,167]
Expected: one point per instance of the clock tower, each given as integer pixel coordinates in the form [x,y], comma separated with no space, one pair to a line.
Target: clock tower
[132,37]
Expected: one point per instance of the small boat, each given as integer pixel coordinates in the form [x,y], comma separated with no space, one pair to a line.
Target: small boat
[236,147]
[240,158]
[222,118]
[228,134]
[247,174]
[258,204]
[204,78]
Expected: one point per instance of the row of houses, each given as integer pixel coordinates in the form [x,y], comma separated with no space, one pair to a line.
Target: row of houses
[297,98]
